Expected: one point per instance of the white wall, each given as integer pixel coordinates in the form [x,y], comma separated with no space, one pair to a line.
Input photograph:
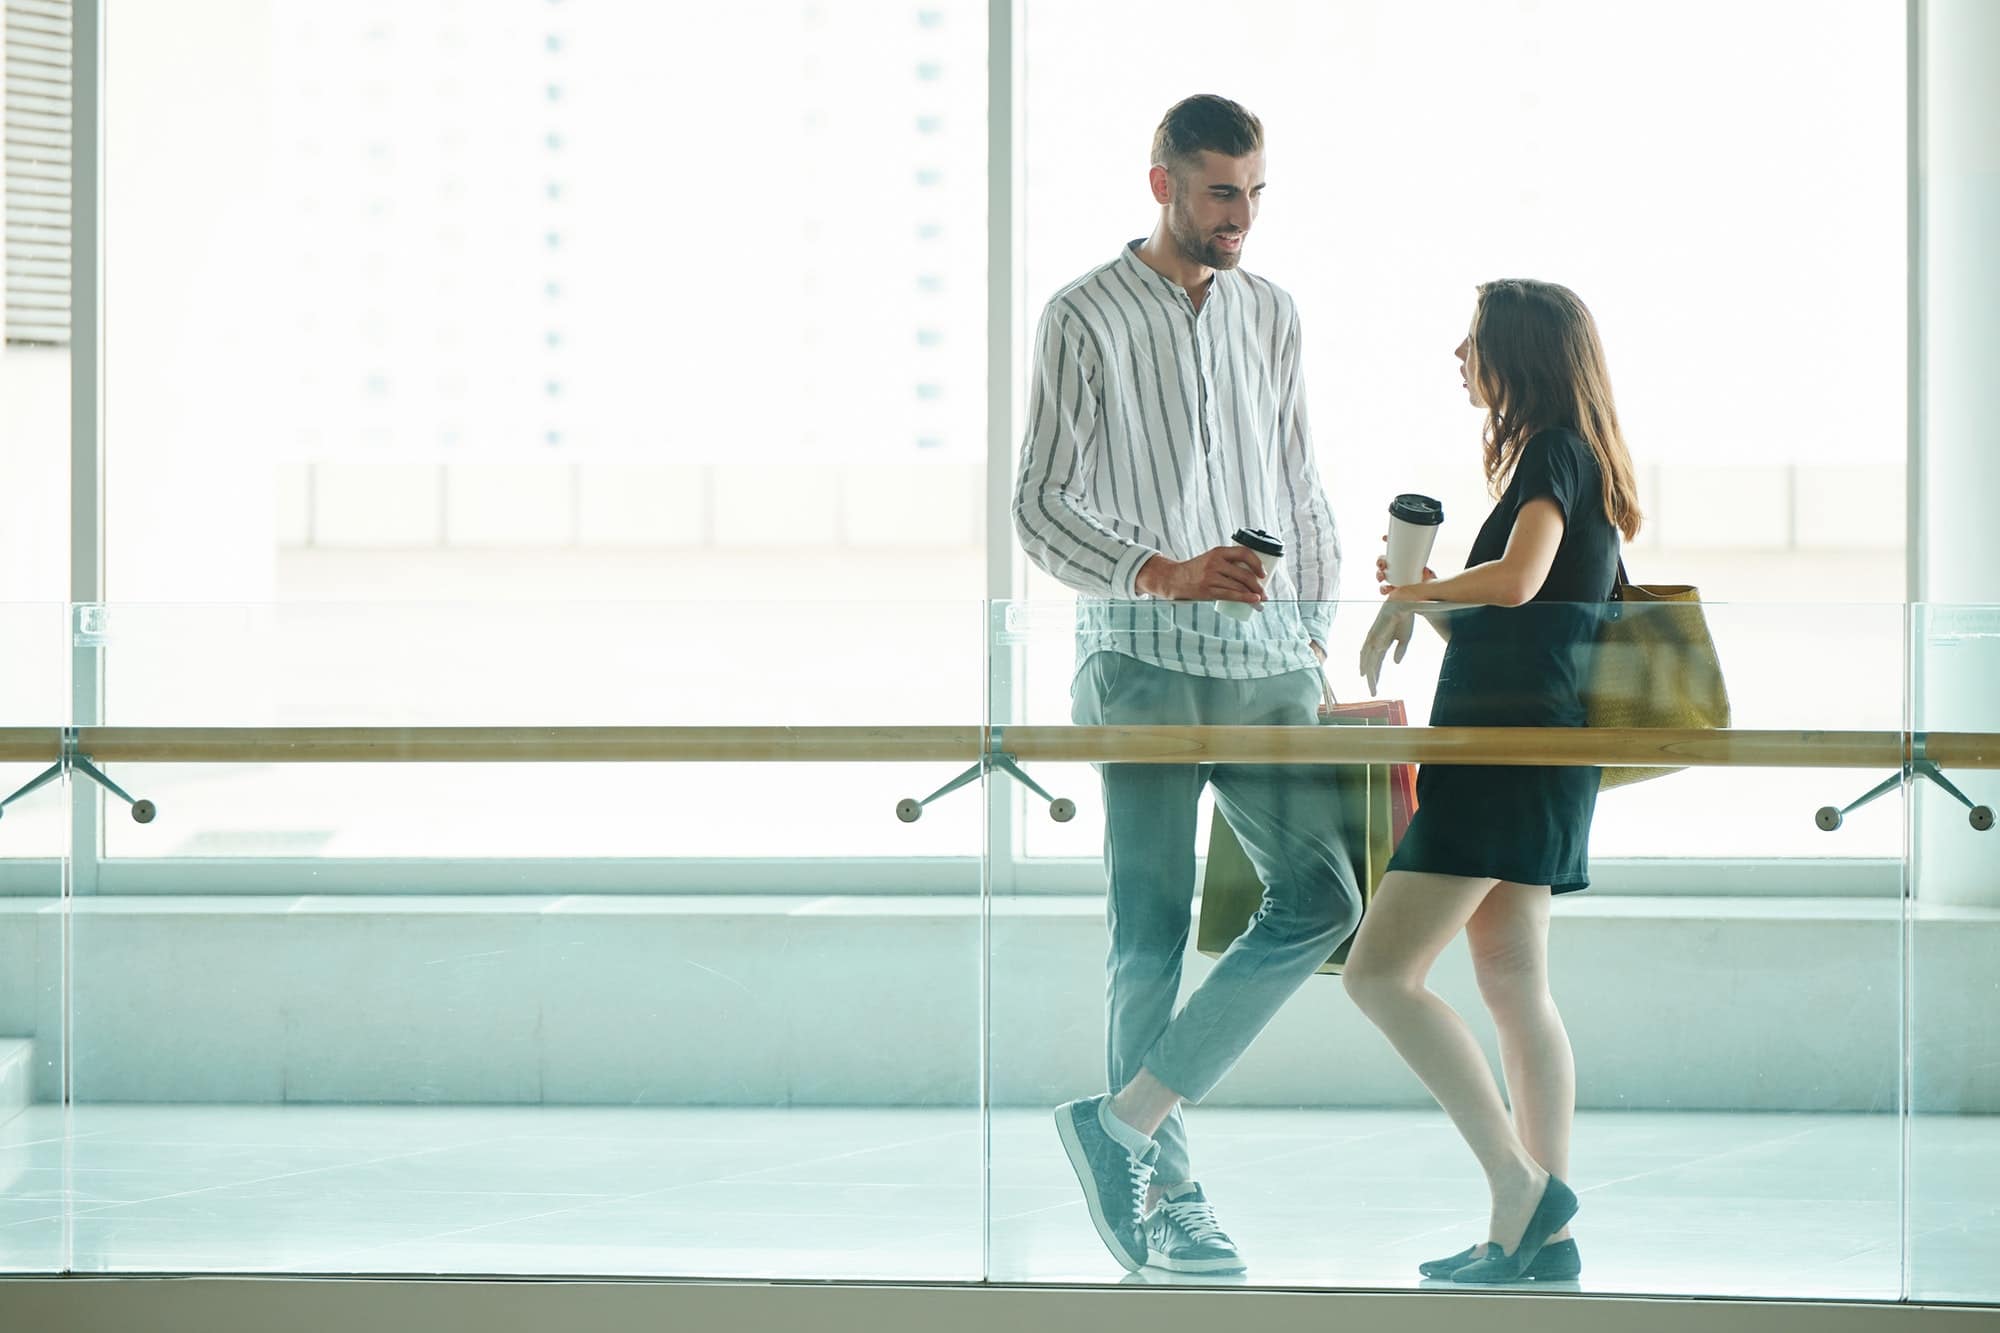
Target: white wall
[1778,1004]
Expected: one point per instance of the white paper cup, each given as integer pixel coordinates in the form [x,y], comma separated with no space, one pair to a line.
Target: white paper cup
[1413,527]
[1270,553]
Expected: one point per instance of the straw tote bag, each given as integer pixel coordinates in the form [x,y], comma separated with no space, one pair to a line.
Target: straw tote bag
[1654,665]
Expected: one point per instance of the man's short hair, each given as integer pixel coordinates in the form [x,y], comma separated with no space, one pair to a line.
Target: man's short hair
[1205,123]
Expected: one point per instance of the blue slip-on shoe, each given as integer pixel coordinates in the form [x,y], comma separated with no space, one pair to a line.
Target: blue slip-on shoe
[1557,1206]
[1559,1261]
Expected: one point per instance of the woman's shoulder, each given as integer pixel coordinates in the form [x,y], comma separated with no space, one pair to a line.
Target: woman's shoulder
[1560,449]
[1559,439]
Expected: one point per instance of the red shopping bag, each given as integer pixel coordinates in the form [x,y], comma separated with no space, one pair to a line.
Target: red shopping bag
[1402,777]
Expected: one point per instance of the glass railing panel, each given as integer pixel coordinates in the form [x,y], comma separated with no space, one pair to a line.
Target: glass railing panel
[36,1182]
[576,664]
[710,1010]
[1727,1140]
[1954,941]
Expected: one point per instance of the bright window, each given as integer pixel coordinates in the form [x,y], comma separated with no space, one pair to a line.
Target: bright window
[529,304]
[664,329]
[1722,183]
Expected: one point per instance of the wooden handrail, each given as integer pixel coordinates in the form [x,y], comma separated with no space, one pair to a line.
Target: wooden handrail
[1552,746]
[1046,744]
[30,745]
[1962,749]
[487,745]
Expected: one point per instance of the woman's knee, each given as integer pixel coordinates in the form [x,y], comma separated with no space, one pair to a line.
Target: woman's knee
[1508,944]
[1511,979]
[1374,984]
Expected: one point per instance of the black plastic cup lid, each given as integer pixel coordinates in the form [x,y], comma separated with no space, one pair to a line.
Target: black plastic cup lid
[1259,540]
[1419,509]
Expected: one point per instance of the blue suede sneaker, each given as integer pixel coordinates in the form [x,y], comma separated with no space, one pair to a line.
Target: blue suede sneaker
[1182,1235]
[1113,1178]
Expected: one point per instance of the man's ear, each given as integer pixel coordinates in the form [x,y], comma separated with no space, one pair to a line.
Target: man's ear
[1163,186]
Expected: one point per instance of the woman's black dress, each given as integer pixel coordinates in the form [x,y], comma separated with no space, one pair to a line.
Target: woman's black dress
[1522,667]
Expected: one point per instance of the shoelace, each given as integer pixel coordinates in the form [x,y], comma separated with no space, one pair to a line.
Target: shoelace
[1142,1176]
[1197,1218]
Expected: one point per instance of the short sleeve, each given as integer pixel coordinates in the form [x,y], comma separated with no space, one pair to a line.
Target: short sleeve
[1551,465]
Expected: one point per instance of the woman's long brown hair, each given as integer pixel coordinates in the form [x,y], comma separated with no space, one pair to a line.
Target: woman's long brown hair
[1538,363]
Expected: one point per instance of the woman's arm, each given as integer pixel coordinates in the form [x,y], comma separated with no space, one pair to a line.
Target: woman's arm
[1513,579]
[1392,628]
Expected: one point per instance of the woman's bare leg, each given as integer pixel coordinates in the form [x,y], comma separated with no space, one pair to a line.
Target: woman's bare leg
[1408,923]
[1509,940]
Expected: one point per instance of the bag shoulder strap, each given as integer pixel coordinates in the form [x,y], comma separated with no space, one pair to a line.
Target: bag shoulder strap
[1618,583]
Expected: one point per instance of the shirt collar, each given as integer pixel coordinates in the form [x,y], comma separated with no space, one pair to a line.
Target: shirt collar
[1165,286]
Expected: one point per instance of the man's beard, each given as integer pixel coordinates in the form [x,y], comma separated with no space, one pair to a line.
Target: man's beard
[1194,247]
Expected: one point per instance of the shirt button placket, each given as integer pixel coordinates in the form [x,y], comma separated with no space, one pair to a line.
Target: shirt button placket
[1204,351]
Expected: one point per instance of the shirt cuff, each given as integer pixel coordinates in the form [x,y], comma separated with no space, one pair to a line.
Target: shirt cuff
[1125,574]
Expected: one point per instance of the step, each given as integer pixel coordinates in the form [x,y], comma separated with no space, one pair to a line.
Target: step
[17,1076]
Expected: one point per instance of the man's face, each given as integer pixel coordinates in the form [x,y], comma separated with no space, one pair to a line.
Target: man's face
[1214,202]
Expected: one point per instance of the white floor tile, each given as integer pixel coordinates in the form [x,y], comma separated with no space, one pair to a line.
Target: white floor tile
[1679,1204]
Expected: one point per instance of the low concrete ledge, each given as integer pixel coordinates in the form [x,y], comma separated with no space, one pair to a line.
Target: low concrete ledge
[1673,1003]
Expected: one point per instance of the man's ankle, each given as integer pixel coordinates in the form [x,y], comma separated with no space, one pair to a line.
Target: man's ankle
[1134,1139]
[1133,1113]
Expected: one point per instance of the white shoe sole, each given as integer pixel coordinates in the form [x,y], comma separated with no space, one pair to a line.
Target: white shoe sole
[1079,1162]
[1165,1264]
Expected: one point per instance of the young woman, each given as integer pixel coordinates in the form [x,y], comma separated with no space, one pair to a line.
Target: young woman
[1490,846]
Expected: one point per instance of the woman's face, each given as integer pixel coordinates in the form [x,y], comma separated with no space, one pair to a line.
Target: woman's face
[1465,371]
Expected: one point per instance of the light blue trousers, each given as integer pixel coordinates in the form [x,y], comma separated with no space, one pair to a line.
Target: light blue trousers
[1288,820]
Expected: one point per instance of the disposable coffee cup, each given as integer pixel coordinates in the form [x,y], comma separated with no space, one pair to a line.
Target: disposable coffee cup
[1413,527]
[1269,551]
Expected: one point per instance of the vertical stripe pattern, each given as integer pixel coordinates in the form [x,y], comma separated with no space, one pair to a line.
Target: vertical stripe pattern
[1157,429]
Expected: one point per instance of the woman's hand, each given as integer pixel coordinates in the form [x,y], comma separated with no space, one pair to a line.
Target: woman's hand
[1406,593]
[1392,628]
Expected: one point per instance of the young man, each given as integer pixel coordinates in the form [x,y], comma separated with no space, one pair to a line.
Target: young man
[1167,411]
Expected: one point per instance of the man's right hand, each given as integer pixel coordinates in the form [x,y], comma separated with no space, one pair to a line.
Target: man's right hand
[1225,574]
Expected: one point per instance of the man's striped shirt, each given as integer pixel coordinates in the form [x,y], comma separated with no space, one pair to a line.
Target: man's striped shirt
[1157,429]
